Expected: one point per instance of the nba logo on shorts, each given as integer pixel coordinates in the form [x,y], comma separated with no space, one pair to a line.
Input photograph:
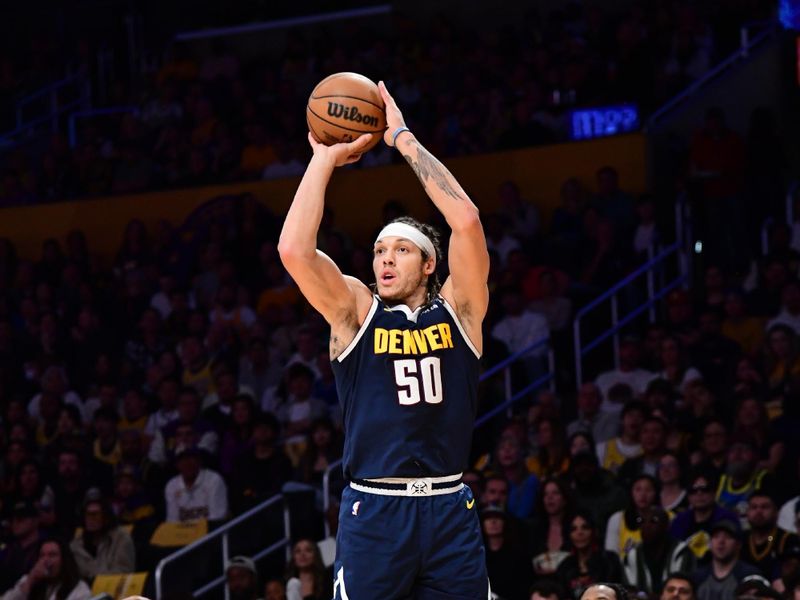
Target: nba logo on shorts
[356,506]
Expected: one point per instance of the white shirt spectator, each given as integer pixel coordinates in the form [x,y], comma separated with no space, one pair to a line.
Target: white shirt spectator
[503,246]
[637,379]
[787,517]
[627,450]
[81,591]
[158,420]
[520,331]
[70,397]
[691,374]
[206,498]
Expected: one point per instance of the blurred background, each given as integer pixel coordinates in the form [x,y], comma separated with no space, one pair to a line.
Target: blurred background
[636,167]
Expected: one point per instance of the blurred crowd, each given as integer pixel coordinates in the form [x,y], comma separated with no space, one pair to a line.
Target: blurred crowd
[188,379]
[221,114]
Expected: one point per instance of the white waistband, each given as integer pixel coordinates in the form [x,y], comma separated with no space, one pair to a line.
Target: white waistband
[416,488]
[420,487]
[404,480]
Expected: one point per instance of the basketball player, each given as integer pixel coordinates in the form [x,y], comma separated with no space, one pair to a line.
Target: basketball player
[405,358]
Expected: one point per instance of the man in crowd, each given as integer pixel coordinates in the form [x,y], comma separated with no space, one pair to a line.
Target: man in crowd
[18,556]
[242,578]
[694,524]
[602,425]
[765,541]
[195,493]
[678,586]
[719,579]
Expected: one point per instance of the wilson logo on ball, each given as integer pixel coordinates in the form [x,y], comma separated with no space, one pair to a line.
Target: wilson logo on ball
[350,113]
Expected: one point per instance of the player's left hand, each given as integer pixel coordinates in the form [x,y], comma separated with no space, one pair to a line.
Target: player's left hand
[343,153]
[394,118]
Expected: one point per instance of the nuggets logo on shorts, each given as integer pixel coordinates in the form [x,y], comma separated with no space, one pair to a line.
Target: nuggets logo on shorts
[356,506]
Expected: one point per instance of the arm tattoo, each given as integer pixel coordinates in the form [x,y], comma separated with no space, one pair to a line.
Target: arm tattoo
[428,167]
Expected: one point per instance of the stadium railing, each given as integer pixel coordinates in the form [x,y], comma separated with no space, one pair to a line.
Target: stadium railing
[792,193]
[653,269]
[72,126]
[223,533]
[748,42]
[48,105]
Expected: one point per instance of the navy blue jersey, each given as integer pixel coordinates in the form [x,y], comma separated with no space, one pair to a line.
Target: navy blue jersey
[407,385]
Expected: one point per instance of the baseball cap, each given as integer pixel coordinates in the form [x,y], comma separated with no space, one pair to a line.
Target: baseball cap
[24,509]
[242,562]
[732,527]
[758,586]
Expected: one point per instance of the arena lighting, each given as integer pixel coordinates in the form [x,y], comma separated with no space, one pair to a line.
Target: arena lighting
[603,121]
[789,13]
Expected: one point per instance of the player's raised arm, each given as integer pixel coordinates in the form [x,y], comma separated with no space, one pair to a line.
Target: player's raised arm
[468,257]
[320,280]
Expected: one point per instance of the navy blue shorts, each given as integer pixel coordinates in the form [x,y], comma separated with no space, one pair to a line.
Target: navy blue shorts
[405,547]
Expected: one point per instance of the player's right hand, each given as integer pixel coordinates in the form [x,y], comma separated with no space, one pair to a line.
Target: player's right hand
[343,153]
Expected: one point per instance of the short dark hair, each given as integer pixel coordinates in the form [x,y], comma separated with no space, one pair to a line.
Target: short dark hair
[683,577]
[619,590]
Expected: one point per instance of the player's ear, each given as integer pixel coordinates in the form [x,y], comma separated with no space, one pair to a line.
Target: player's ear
[429,266]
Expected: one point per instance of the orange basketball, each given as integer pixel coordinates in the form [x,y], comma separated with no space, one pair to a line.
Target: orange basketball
[342,107]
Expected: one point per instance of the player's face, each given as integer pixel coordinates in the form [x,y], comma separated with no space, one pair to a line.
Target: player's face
[400,271]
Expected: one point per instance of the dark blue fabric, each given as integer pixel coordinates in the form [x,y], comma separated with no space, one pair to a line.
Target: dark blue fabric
[398,547]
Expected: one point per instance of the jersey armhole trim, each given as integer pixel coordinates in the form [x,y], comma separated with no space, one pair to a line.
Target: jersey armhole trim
[360,332]
[464,335]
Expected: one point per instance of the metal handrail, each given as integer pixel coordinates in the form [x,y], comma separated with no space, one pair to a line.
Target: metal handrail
[743,52]
[72,130]
[616,322]
[791,190]
[223,532]
[54,111]
[287,23]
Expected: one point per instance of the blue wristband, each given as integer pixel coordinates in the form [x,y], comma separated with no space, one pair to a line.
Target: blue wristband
[397,132]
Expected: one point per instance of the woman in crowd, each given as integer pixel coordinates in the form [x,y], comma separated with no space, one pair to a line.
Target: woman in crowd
[549,541]
[581,441]
[624,526]
[54,577]
[235,438]
[102,547]
[31,487]
[673,496]
[306,576]
[551,456]
[674,367]
[587,563]
[507,562]
[751,421]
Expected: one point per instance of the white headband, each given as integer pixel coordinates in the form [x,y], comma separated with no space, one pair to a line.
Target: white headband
[411,233]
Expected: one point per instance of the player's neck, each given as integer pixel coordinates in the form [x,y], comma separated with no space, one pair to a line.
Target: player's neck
[412,302]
